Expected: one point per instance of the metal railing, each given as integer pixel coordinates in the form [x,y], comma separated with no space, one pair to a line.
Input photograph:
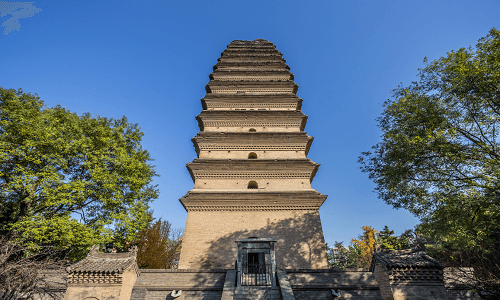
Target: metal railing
[256,274]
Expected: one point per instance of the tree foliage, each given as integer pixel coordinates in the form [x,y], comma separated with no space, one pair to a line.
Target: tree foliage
[70,181]
[439,156]
[341,257]
[477,268]
[365,246]
[357,255]
[159,246]
[388,241]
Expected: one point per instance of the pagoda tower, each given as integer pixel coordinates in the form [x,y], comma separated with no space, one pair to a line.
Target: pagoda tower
[252,177]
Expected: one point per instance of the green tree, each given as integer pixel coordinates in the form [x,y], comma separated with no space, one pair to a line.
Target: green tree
[386,240]
[439,156]
[341,257]
[70,181]
[357,255]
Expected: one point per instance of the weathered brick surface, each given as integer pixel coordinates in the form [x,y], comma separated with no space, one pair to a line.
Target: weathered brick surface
[332,277]
[102,292]
[186,295]
[209,237]
[345,294]
[229,284]
[284,283]
[382,278]
[139,294]
[195,284]
[265,184]
[456,282]
[317,284]
[178,279]
[417,292]
[257,293]
[117,291]
[412,289]
[462,294]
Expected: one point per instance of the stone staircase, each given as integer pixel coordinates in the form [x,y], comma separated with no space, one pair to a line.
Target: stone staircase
[257,293]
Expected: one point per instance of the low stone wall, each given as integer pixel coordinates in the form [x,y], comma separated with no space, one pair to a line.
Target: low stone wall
[352,283]
[410,283]
[194,284]
[458,284]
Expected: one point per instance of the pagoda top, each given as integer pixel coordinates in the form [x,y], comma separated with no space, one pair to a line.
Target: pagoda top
[256,41]
[259,43]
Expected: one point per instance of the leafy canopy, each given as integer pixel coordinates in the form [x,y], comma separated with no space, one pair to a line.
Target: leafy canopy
[387,240]
[365,246]
[439,156]
[359,253]
[70,181]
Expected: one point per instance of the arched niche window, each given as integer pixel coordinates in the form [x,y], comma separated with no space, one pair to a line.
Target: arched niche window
[253,185]
[252,155]
[252,130]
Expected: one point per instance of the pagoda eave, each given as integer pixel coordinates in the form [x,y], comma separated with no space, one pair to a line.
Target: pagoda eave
[224,200]
[260,118]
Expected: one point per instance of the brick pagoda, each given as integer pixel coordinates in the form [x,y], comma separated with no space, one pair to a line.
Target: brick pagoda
[252,177]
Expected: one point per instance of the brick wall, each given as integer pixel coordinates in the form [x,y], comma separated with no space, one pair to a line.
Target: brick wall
[128,280]
[195,284]
[317,284]
[414,287]
[178,279]
[345,294]
[456,281]
[209,237]
[382,277]
[265,184]
[417,292]
[101,292]
[166,295]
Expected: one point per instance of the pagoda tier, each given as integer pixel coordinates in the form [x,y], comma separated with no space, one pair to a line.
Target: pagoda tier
[238,121]
[249,102]
[251,87]
[252,65]
[269,58]
[252,176]
[250,53]
[267,145]
[238,75]
[259,43]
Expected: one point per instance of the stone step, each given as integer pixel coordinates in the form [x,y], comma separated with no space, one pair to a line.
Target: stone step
[255,293]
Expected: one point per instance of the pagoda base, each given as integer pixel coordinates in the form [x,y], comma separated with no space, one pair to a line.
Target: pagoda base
[209,237]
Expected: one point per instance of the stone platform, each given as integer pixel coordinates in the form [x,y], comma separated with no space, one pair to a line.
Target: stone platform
[221,284]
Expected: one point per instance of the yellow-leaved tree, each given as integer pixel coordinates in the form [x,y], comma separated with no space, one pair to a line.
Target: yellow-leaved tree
[159,246]
[364,247]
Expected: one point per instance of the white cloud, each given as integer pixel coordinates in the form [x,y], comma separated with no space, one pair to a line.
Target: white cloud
[17,10]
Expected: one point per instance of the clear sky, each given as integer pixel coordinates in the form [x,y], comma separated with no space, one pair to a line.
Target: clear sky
[150,61]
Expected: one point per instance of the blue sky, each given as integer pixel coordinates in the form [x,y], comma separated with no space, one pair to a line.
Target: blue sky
[150,61]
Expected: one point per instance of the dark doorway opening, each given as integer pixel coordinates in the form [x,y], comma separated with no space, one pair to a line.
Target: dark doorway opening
[254,264]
